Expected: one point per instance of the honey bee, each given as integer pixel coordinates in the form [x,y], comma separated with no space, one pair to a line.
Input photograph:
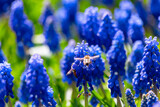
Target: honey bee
[87,59]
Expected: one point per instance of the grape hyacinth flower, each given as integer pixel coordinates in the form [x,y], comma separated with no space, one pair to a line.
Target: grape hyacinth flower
[2,91]
[71,7]
[154,7]
[136,30]
[66,62]
[144,101]
[47,12]
[5,71]
[20,24]
[133,59]
[2,57]
[98,64]
[91,25]
[117,57]
[127,6]
[106,32]
[51,36]
[138,84]
[5,6]
[150,58]
[18,104]
[36,77]
[23,90]
[64,22]
[130,99]
[152,98]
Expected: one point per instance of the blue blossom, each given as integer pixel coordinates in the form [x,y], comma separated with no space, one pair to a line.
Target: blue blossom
[5,5]
[116,57]
[2,91]
[66,62]
[127,6]
[17,104]
[130,98]
[151,57]
[23,93]
[157,104]
[136,30]
[144,101]
[36,77]
[83,72]
[48,11]
[106,32]
[19,23]
[98,64]
[51,36]
[91,25]
[5,71]
[152,98]
[138,84]
[48,100]
[122,17]
[155,7]
[71,7]
[142,12]
[134,58]
[94,102]
[2,57]
[65,23]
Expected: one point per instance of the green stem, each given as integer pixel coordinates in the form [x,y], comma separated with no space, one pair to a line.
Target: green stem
[118,102]
[74,92]
[122,91]
[86,95]
[102,89]
[9,102]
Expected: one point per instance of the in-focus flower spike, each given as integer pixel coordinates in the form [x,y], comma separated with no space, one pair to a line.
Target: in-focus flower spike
[36,77]
[127,6]
[157,104]
[2,91]
[134,58]
[106,32]
[18,104]
[65,23]
[71,7]
[91,25]
[151,57]
[48,11]
[48,100]
[66,62]
[138,84]
[136,30]
[130,99]
[51,36]
[2,57]
[116,57]
[20,24]
[4,6]
[5,71]
[23,92]
[142,12]
[94,102]
[155,7]
[80,20]
[144,101]
[98,64]
[152,98]
[122,17]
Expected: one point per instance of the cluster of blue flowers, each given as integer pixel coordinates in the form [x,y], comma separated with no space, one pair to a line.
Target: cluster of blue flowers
[134,58]
[22,27]
[116,57]
[130,98]
[2,91]
[36,76]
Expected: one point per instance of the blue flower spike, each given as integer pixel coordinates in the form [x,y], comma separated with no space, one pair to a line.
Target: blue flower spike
[2,91]
[130,98]
[144,101]
[152,98]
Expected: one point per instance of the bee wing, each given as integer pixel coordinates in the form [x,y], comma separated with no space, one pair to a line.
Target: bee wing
[80,59]
[69,72]
[94,57]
